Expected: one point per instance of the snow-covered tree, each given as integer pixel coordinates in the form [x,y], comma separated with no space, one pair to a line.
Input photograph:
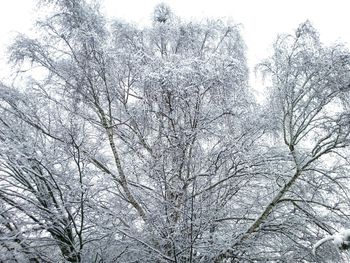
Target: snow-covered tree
[121,144]
[152,122]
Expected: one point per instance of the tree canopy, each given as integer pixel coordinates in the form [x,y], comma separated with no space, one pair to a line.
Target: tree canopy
[121,144]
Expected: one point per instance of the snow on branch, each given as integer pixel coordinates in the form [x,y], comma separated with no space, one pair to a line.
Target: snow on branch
[341,240]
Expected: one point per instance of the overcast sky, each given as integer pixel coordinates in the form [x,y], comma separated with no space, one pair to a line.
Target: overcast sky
[262,19]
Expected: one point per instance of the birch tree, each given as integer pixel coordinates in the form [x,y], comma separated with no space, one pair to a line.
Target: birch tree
[309,83]
[161,112]
[122,144]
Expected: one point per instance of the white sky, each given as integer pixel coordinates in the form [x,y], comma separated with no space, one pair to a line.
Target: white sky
[262,19]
